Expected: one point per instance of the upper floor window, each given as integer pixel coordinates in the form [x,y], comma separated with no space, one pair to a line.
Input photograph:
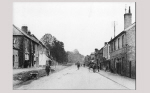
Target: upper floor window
[118,42]
[14,41]
[114,45]
[122,40]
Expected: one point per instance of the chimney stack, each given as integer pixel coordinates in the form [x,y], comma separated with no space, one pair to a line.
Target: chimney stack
[25,29]
[127,19]
[105,43]
[29,33]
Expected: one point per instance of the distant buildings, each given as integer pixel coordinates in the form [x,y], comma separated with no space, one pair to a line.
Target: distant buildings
[28,51]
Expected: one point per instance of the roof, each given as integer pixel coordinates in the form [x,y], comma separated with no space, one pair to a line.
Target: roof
[117,36]
[17,31]
[131,26]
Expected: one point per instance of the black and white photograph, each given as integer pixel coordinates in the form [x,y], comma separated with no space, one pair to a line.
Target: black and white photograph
[74,46]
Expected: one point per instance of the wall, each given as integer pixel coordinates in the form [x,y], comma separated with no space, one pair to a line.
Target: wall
[18,44]
[27,53]
[15,58]
[131,52]
[42,55]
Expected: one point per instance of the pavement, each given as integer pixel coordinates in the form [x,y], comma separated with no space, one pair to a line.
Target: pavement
[125,81]
[71,78]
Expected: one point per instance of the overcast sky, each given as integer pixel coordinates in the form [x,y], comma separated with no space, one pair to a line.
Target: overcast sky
[80,25]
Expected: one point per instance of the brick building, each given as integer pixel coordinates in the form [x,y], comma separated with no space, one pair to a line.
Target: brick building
[122,49]
[26,48]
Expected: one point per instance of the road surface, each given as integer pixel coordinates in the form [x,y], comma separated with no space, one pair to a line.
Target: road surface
[71,78]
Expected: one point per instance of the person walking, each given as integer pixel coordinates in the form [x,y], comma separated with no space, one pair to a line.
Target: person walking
[94,68]
[98,67]
[47,68]
[78,65]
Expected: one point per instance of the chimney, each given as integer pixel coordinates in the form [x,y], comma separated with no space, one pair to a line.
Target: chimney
[105,43]
[29,33]
[25,29]
[127,19]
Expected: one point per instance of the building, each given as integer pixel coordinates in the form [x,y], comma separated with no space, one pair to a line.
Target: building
[43,55]
[106,55]
[87,60]
[26,48]
[92,57]
[96,56]
[122,49]
[100,58]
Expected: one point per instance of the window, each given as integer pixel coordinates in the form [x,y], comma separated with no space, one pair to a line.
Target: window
[14,40]
[111,45]
[109,49]
[123,41]
[118,42]
[122,63]
[114,45]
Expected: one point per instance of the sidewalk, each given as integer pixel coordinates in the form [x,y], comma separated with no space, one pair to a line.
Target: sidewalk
[122,80]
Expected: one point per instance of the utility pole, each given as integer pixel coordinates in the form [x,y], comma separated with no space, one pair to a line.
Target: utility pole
[114,29]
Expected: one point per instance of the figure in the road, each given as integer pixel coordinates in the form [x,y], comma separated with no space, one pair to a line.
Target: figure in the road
[94,68]
[47,68]
[98,67]
[78,65]
[90,66]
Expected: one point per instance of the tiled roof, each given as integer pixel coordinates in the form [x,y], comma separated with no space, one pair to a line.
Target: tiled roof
[17,31]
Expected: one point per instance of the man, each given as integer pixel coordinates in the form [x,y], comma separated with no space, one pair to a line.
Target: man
[78,65]
[47,68]
[94,68]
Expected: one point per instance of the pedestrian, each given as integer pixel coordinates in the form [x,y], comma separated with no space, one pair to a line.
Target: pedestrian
[94,67]
[78,65]
[47,68]
[98,67]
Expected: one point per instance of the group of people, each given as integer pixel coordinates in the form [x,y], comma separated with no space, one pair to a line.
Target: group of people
[78,65]
[94,66]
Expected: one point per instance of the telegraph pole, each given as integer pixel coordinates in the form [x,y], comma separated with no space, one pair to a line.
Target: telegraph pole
[114,29]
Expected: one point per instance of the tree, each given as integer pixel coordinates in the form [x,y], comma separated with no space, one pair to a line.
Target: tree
[55,47]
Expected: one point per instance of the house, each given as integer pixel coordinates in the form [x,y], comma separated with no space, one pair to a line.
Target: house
[106,55]
[122,49]
[43,54]
[26,48]
[100,58]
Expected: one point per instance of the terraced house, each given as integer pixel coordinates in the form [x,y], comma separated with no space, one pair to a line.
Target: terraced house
[28,51]
[122,49]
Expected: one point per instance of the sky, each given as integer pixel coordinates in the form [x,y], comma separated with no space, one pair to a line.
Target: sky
[79,25]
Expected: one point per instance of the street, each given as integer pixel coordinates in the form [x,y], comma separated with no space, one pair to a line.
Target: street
[71,78]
